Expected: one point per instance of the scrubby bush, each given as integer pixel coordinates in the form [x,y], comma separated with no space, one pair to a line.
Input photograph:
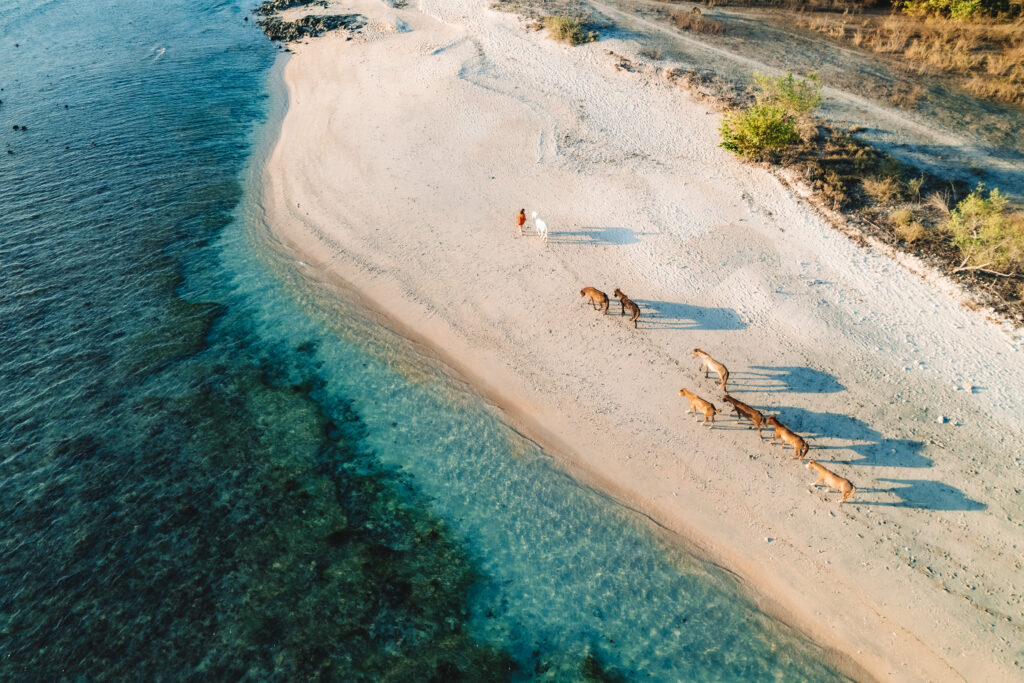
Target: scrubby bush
[796,97]
[694,21]
[761,130]
[773,123]
[568,30]
[914,187]
[903,216]
[882,190]
[834,190]
[910,232]
[956,9]
[961,9]
[989,234]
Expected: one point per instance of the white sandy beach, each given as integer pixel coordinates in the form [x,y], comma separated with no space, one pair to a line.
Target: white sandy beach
[402,160]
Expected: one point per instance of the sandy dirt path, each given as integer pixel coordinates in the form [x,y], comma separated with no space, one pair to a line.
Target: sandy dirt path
[942,134]
[402,160]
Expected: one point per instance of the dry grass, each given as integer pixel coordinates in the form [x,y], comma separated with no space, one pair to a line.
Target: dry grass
[833,190]
[911,232]
[882,190]
[986,54]
[940,202]
[845,6]
[902,206]
[914,187]
[902,216]
[695,21]
[977,239]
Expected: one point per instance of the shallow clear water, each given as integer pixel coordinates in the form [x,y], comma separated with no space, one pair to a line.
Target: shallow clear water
[213,466]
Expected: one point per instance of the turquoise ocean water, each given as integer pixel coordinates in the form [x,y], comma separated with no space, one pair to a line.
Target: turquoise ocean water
[213,467]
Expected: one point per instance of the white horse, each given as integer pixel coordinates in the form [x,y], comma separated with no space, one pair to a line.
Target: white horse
[542,227]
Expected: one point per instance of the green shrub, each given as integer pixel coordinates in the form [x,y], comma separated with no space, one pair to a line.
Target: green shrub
[955,9]
[759,131]
[774,121]
[796,97]
[568,30]
[988,233]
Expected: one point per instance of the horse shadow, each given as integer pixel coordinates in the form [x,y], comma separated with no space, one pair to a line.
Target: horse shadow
[591,236]
[785,379]
[869,444]
[675,316]
[923,494]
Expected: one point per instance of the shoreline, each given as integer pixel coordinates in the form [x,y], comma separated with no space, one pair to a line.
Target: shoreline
[437,321]
[675,532]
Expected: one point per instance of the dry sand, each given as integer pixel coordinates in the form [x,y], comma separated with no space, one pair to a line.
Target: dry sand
[401,163]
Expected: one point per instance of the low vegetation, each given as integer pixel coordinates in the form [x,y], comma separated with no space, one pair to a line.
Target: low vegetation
[781,109]
[568,21]
[568,30]
[985,54]
[882,190]
[989,233]
[979,43]
[695,21]
[759,132]
[975,236]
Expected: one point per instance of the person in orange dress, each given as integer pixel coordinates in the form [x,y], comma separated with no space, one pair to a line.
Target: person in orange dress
[521,220]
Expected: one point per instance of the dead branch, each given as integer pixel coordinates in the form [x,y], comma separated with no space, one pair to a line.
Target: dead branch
[982,269]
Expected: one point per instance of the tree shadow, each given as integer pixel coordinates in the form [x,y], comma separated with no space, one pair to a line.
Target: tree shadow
[923,494]
[873,448]
[785,378]
[591,236]
[673,316]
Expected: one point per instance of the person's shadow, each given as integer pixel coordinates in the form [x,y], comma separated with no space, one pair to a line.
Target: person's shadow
[592,236]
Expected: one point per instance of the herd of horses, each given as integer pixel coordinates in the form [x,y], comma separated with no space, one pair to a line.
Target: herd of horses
[599,301]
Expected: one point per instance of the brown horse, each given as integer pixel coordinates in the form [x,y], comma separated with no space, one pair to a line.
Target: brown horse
[697,404]
[743,410]
[626,302]
[787,436]
[833,480]
[598,299]
[709,363]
